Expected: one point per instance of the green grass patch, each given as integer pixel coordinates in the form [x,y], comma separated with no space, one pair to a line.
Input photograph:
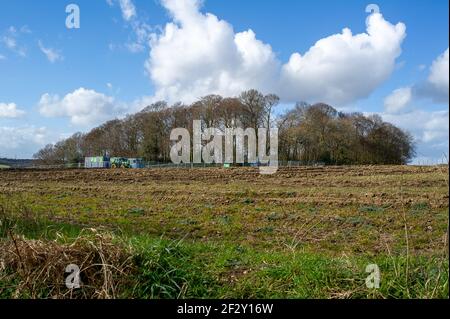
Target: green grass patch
[371,209]
[165,268]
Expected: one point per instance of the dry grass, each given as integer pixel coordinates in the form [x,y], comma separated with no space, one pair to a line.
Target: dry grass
[244,235]
[40,266]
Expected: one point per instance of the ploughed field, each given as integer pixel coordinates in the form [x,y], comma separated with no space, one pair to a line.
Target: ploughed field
[304,232]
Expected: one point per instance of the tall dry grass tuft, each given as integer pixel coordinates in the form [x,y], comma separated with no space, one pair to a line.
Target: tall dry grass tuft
[39,266]
[444,169]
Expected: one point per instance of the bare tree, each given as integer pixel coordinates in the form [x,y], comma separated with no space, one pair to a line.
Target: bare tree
[309,133]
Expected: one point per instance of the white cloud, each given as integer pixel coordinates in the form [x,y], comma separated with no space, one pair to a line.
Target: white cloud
[398,100]
[11,44]
[2,57]
[141,39]
[10,110]
[51,54]
[135,47]
[439,76]
[436,87]
[128,9]
[429,128]
[421,67]
[139,42]
[140,103]
[198,54]
[10,40]
[22,141]
[25,29]
[344,67]
[436,127]
[84,107]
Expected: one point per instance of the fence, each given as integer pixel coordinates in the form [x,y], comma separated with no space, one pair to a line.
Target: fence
[204,165]
[154,165]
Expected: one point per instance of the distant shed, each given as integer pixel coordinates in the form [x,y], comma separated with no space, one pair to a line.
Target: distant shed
[97,162]
[136,162]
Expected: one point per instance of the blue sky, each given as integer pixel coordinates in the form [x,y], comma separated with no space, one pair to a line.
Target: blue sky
[56,81]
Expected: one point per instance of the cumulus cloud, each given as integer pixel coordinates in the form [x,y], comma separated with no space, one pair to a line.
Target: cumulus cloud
[436,127]
[425,126]
[84,107]
[198,54]
[435,87]
[10,110]
[398,100]
[51,54]
[430,130]
[345,67]
[22,141]
[439,78]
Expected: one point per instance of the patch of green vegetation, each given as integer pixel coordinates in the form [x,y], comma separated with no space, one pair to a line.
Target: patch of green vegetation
[307,208]
[355,220]
[421,207]
[183,269]
[371,209]
[266,229]
[248,201]
[295,238]
[189,222]
[167,270]
[136,211]
[273,216]
[225,219]
[34,228]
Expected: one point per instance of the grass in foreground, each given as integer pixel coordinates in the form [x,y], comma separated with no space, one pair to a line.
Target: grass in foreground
[303,233]
[113,265]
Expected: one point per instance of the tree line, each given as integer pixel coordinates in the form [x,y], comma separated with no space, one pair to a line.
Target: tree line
[307,133]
